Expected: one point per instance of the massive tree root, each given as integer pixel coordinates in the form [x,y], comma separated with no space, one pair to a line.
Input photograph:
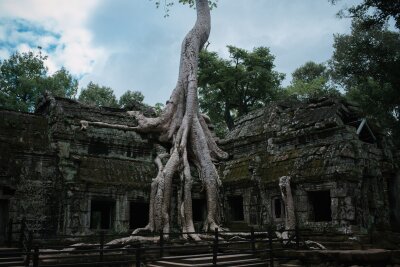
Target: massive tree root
[182,125]
[287,197]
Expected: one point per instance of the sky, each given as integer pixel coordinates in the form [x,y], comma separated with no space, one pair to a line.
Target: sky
[129,45]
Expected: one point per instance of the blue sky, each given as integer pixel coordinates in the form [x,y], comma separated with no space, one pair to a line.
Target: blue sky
[129,45]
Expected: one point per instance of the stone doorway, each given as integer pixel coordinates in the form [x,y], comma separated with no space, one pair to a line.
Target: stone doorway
[236,208]
[199,209]
[278,209]
[320,206]
[102,214]
[138,214]
[3,220]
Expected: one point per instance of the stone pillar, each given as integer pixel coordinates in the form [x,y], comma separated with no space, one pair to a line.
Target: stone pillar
[122,213]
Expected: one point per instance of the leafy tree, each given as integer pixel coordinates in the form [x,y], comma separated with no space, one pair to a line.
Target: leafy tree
[133,101]
[21,80]
[373,12]
[96,95]
[61,83]
[130,98]
[24,77]
[237,85]
[158,107]
[366,63]
[311,80]
[309,72]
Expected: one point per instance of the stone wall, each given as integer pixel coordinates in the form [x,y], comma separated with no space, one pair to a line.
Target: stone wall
[316,143]
[28,169]
[56,169]
[68,180]
[394,200]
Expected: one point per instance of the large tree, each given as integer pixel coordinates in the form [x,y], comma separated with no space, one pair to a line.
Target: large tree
[366,63]
[61,83]
[235,86]
[130,98]
[190,142]
[96,95]
[24,78]
[311,80]
[373,12]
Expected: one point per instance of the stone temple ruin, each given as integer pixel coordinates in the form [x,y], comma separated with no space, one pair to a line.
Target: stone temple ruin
[63,179]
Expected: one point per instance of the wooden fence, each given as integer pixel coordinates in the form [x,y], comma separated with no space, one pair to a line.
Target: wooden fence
[94,250]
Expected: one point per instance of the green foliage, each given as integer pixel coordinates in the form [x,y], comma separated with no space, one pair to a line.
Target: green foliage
[24,77]
[366,63]
[232,87]
[309,81]
[130,98]
[62,84]
[158,108]
[96,95]
[309,72]
[373,13]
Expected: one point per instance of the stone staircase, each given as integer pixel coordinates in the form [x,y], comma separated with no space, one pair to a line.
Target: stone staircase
[202,260]
[11,257]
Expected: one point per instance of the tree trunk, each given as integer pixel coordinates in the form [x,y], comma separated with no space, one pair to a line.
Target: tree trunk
[287,197]
[182,125]
[228,117]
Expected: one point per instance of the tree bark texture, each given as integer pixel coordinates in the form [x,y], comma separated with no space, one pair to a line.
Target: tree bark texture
[287,197]
[182,125]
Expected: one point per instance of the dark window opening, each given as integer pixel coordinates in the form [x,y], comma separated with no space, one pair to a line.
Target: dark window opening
[102,214]
[98,147]
[236,208]
[320,206]
[138,214]
[199,209]
[278,208]
[8,191]
[366,135]
[3,220]
[363,130]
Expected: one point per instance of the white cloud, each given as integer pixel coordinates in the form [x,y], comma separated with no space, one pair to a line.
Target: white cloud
[4,53]
[128,45]
[23,48]
[60,14]
[74,49]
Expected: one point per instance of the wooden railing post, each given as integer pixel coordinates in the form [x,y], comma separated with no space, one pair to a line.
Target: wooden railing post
[271,253]
[10,233]
[253,240]
[101,246]
[36,257]
[215,247]
[21,233]
[28,249]
[161,243]
[138,260]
